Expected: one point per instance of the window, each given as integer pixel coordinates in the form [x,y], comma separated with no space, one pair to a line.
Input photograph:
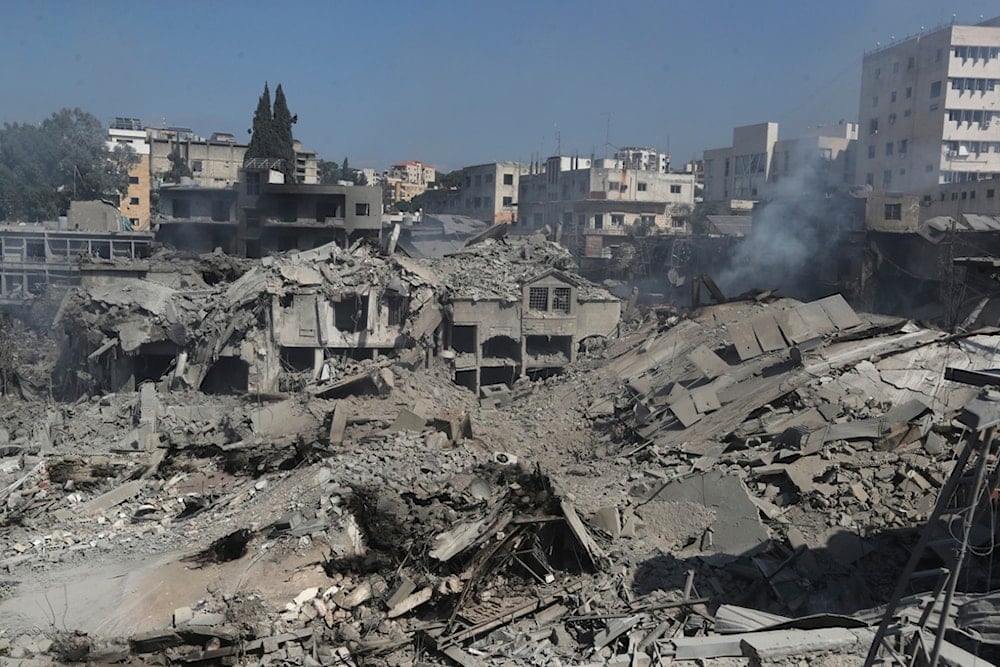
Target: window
[195,165]
[641,187]
[487,202]
[991,193]
[909,63]
[937,56]
[675,189]
[648,220]
[362,209]
[895,67]
[873,126]
[878,72]
[935,89]
[617,219]
[871,151]
[253,220]
[488,179]
[477,202]
[479,180]
[893,212]
[598,221]
[909,92]
[887,178]
[903,145]
[888,149]
[892,96]
[133,180]
[538,298]
[613,186]
[892,119]
[870,179]
[253,182]
[906,113]
[508,179]
[560,300]
[220,210]
[875,100]
[508,202]
[134,201]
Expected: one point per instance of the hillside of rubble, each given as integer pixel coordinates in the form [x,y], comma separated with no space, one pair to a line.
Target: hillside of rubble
[737,484]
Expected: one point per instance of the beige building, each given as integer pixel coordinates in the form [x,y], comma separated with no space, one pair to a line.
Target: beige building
[930,110]
[758,160]
[214,162]
[134,205]
[489,193]
[306,164]
[406,180]
[596,204]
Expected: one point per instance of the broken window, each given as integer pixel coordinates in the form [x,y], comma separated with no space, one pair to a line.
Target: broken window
[548,351]
[195,165]
[288,209]
[598,221]
[935,89]
[893,212]
[362,209]
[253,182]
[508,202]
[328,207]
[181,208]
[501,347]
[351,314]
[228,375]
[463,339]
[220,210]
[297,359]
[561,300]
[617,219]
[538,299]
[396,304]
[133,201]
[35,248]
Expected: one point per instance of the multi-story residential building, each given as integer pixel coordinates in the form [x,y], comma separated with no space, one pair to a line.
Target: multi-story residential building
[758,160]
[489,193]
[930,110]
[406,180]
[262,214]
[596,204]
[134,204]
[214,162]
[644,159]
[306,164]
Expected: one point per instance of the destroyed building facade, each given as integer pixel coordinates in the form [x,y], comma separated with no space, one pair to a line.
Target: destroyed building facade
[262,214]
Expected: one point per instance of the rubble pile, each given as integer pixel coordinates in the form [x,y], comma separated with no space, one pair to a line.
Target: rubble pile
[741,484]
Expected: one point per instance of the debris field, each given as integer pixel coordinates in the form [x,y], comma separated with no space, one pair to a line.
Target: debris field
[740,484]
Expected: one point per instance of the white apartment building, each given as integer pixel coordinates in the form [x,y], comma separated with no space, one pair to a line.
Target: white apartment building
[644,159]
[758,161]
[930,110]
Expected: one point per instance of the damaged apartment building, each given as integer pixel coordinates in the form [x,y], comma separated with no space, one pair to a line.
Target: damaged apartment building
[498,310]
[262,214]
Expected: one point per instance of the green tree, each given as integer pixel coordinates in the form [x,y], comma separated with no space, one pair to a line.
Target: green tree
[261,140]
[43,167]
[329,172]
[284,142]
[453,179]
[178,168]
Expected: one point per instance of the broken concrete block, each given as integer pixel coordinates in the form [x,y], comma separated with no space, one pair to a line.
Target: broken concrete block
[306,595]
[456,425]
[182,615]
[410,602]
[408,421]
[338,424]
[609,520]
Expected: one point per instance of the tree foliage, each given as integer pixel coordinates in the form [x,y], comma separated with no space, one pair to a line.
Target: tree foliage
[178,168]
[453,179]
[271,134]
[43,167]
[329,172]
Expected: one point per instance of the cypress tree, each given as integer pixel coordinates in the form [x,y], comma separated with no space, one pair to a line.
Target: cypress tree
[283,141]
[263,128]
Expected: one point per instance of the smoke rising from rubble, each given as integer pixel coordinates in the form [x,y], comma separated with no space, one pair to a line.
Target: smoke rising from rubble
[794,228]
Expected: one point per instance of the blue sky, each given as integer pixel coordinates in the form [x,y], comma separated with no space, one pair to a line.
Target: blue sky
[456,83]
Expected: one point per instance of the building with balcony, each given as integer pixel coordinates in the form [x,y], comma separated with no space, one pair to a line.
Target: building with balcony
[489,193]
[135,204]
[594,204]
[930,110]
[758,162]
[262,214]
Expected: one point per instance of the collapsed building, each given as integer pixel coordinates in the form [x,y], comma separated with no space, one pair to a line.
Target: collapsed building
[499,310]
